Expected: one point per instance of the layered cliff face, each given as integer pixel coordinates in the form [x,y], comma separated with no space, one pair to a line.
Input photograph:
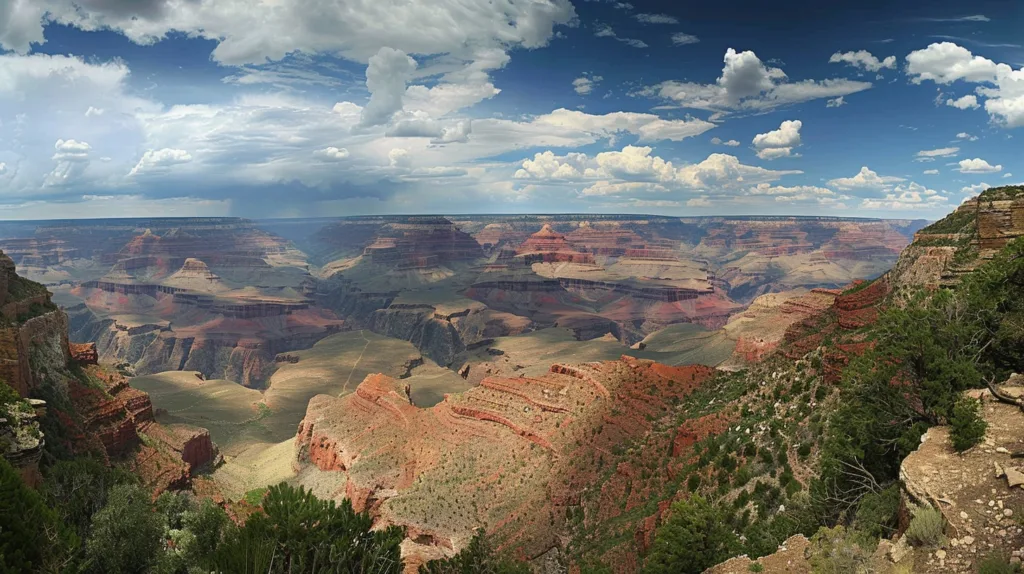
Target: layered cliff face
[510,454]
[85,408]
[955,245]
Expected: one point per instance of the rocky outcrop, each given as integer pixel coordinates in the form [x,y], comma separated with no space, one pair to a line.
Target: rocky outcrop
[84,353]
[976,491]
[421,242]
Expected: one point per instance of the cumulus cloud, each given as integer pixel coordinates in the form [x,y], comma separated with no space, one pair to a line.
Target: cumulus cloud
[978,165]
[730,143]
[836,102]
[931,154]
[160,159]
[931,172]
[909,197]
[747,84]
[332,153]
[648,126]
[387,74]
[778,143]
[865,179]
[790,194]
[638,164]
[93,112]
[968,102]
[584,84]
[1006,175]
[864,60]
[1000,85]
[966,136]
[975,189]
[683,39]
[399,158]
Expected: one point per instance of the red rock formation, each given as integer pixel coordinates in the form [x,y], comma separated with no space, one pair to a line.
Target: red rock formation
[421,242]
[84,353]
[548,246]
[534,441]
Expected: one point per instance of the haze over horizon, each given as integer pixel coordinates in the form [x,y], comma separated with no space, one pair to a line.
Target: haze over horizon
[317,108]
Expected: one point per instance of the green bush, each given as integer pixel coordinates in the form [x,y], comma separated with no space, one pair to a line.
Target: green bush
[997,564]
[695,537]
[298,532]
[126,534]
[878,513]
[926,527]
[839,551]
[968,428]
[77,490]
[31,536]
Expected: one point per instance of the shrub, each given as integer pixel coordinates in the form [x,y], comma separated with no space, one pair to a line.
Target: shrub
[926,527]
[695,537]
[839,551]
[30,533]
[805,450]
[996,564]
[968,426]
[756,567]
[126,533]
[878,513]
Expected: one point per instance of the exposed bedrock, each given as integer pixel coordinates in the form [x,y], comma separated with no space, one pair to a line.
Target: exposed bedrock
[442,335]
[245,356]
[532,445]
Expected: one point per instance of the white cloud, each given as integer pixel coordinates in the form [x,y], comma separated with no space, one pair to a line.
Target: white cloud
[730,143]
[637,164]
[966,136]
[931,154]
[3,168]
[780,142]
[864,60]
[931,172]
[865,179]
[71,150]
[1001,85]
[332,153]
[93,112]
[585,84]
[399,158]
[975,189]
[968,102]
[606,31]
[978,165]
[747,84]
[656,18]
[1006,175]
[386,77]
[796,193]
[683,39]
[698,202]
[907,198]
[648,126]
[836,102]
[160,159]
[253,32]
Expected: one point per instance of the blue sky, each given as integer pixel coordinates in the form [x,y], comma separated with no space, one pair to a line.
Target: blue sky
[263,108]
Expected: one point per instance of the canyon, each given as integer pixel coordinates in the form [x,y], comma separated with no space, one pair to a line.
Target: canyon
[505,358]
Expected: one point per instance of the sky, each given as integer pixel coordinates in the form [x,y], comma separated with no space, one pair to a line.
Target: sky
[300,108]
